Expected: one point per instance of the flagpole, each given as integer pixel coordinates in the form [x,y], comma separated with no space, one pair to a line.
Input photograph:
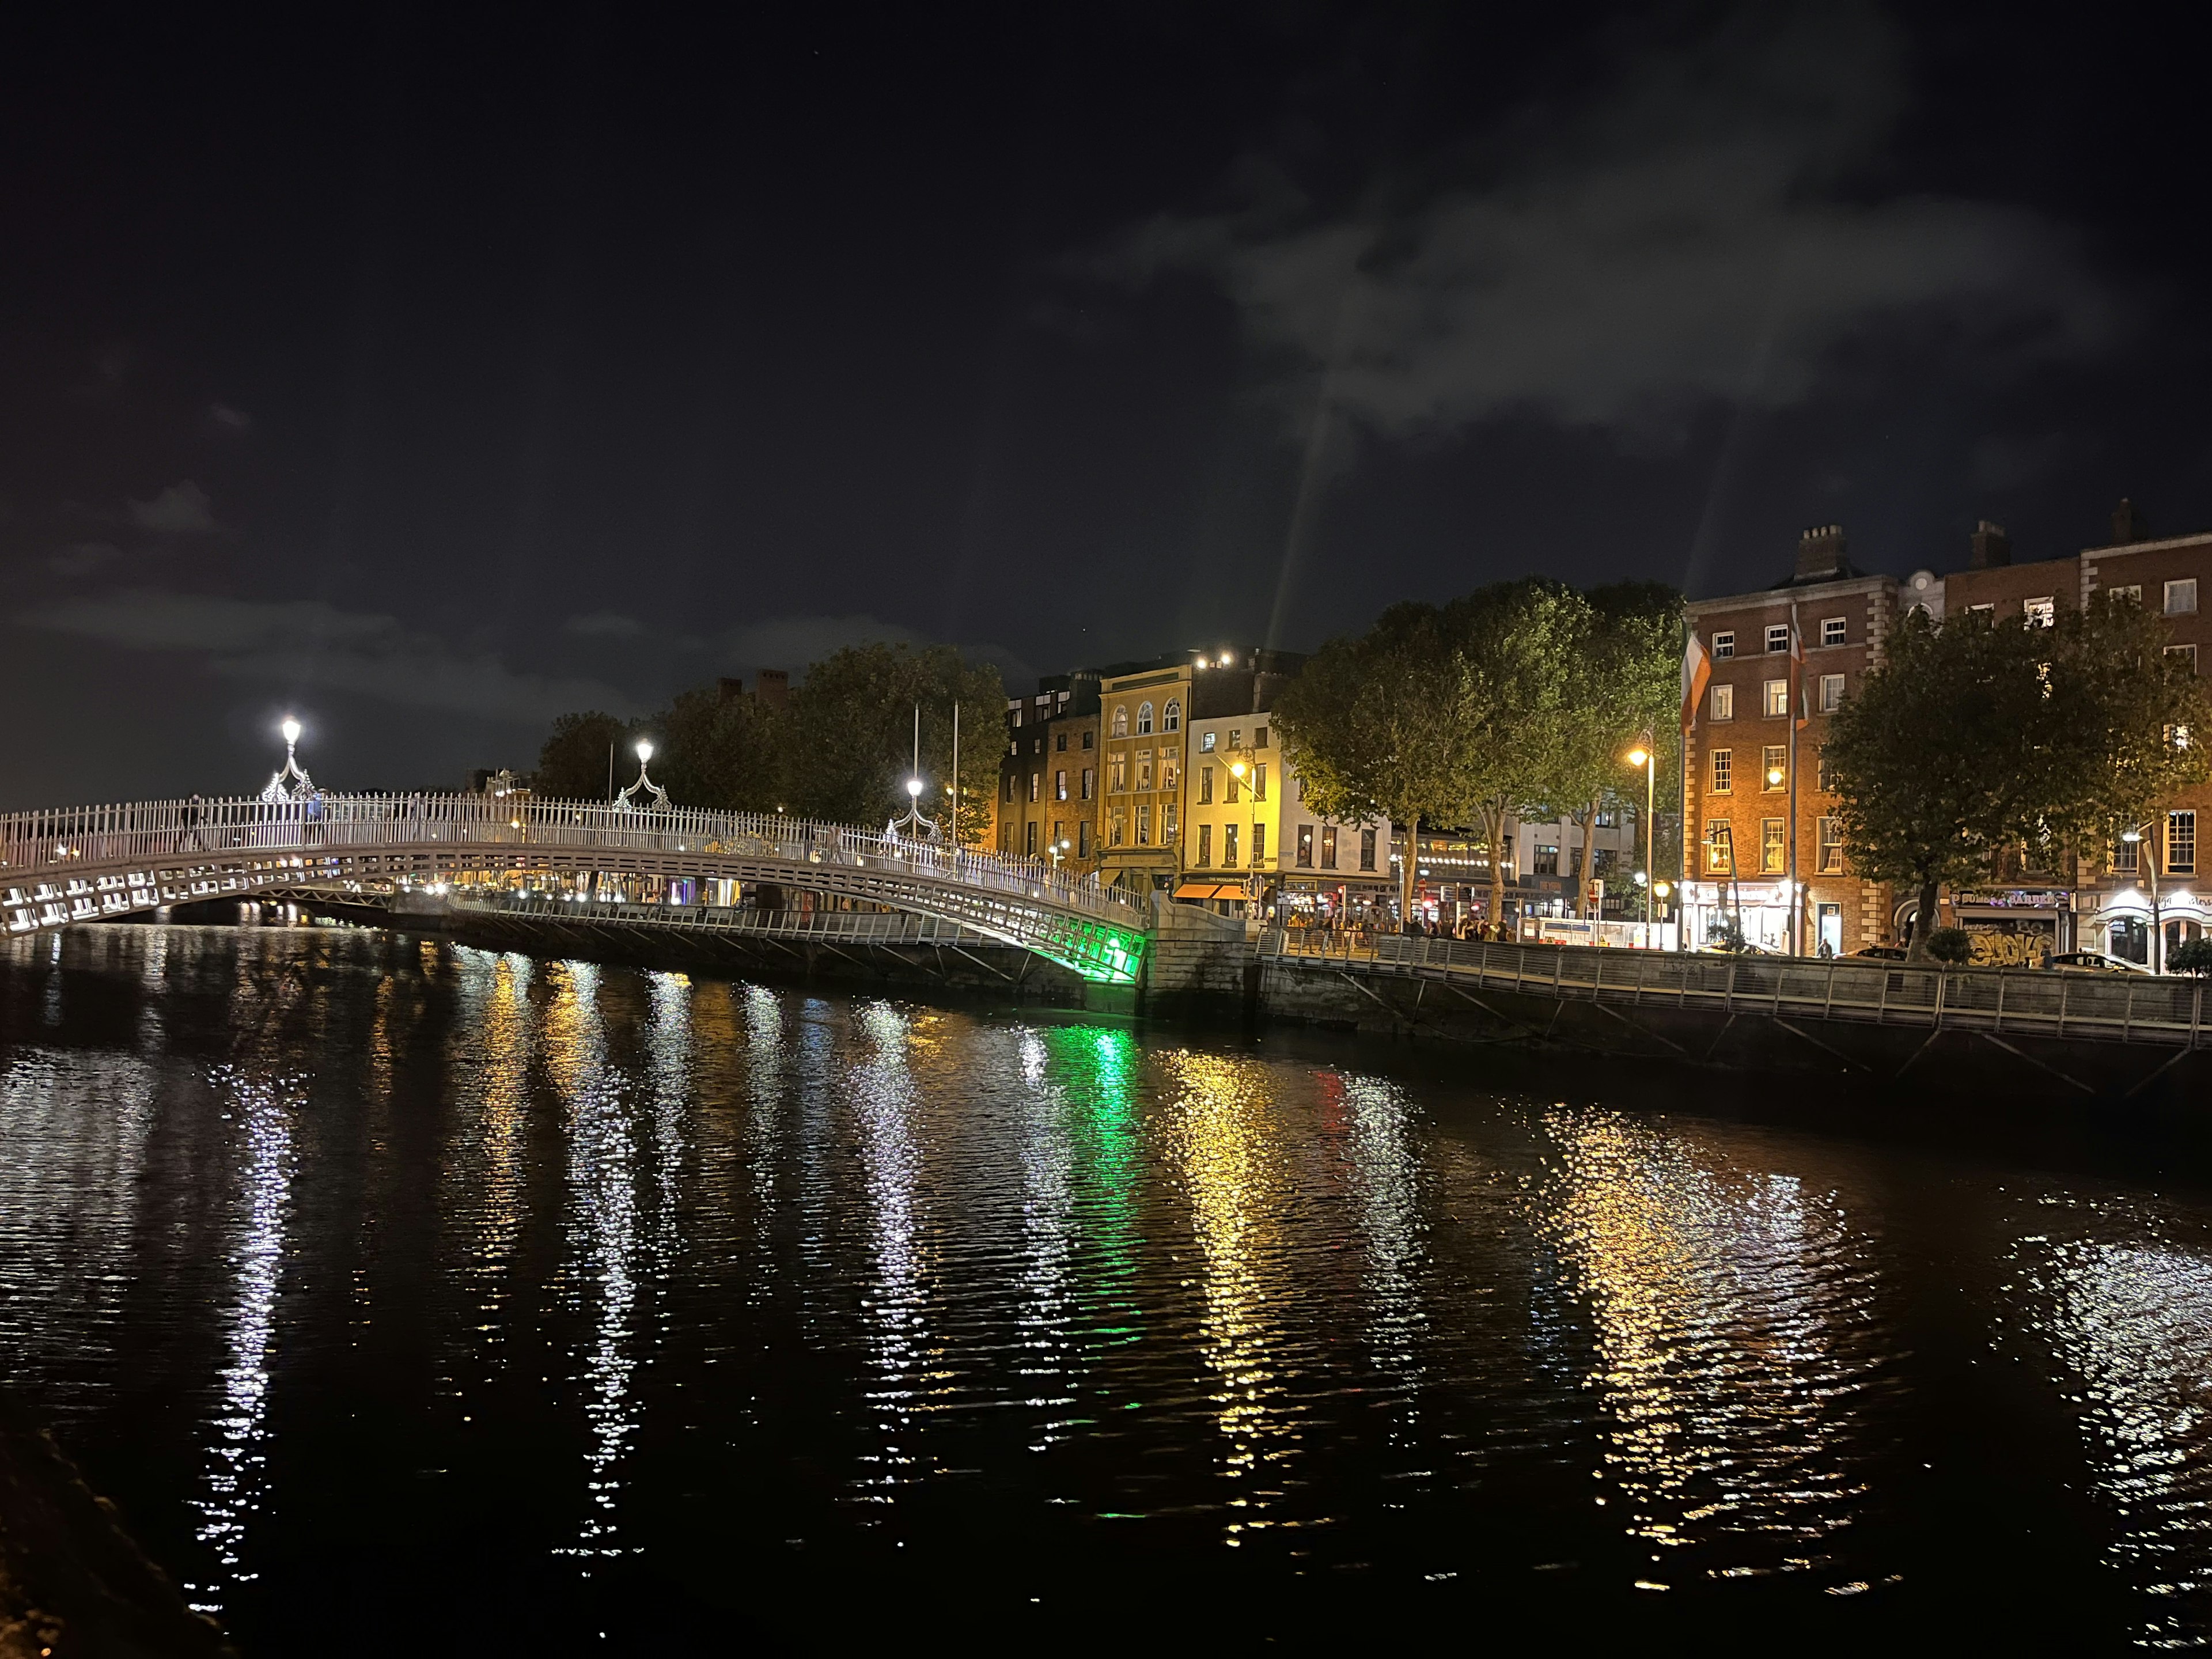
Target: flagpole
[1796,691]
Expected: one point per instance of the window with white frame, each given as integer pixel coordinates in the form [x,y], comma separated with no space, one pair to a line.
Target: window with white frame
[1205,741]
[1831,847]
[2181,843]
[1205,786]
[2186,652]
[1777,637]
[1724,643]
[1720,846]
[1776,698]
[1144,720]
[1774,770]
[2040,613]
[1171,717]
[2132,593]
[1205,855]
[1169,821]
[1144,826]
[1724,702]
[1832,630]
[1228,847]
[1773,847]
[1723,766]
[2181,597]
[1059,785]
[1831,693]
[2125,860]
[1120,719]
[1090,781]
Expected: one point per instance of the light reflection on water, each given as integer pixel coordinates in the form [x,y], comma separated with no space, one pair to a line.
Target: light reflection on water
[638,1270]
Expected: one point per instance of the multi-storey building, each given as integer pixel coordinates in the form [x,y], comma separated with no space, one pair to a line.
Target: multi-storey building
[1048,782]
[1144,709]
[1760,818]
[1751,835]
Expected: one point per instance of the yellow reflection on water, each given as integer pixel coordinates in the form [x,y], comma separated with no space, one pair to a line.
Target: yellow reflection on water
[1222,1136]
[1731,1310]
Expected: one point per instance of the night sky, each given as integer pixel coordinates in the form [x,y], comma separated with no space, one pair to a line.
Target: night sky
[429,377]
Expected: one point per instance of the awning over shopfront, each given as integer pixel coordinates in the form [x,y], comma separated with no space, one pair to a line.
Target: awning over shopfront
[1211,890]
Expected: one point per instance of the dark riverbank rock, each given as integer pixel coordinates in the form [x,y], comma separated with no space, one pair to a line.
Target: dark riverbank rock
[72,1584]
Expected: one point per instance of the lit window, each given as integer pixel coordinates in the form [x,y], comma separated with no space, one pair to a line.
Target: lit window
[1144,720]
[1060,786]
[1115,824]
[1778,636]
[1121,721]
[1007,788]
[2132,593]
[1205,786]
[1117,774]
[1773,847]
[1258,845]
[1171,717]
[1723,762]
[1832,630]
[1028,838]
[1236,737]
[2123,860]
[1724,702]
[1228,847]
[1036,785]
[1167,822]
[1306,847]
[1720,846]
[1143,825]
[2040,613]
[1981,610]
[1205,846]
[2181,597]
[1170,773]
[1827,773]
[1774,768]
[1831,847]
[1205,741]
[1831,693]
[1144,768]
[1228,788]
[1090,781]
[2181,843]
[1724,644]
[1777,701]
[2187,653]
[1366,849]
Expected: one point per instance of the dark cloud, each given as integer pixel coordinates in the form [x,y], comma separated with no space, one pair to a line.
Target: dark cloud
[182,509]
[1693,233]
[605,624]
[308,644]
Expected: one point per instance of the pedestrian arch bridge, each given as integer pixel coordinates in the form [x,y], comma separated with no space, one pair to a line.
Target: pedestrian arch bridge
[87,864]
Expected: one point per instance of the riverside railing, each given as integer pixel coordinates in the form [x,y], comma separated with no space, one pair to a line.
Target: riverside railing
[53,847]
[2125,1008]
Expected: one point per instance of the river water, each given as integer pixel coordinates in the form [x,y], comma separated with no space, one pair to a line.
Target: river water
[402,1293]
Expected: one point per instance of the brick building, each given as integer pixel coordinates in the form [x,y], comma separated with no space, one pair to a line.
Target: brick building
[1751,835]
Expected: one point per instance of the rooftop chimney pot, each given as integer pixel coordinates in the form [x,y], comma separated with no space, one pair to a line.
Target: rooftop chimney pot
[1987,547]
[1820,553]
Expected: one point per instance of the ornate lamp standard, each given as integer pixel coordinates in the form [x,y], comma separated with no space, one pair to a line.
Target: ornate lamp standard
[290,783]
[2149,856]
[645,788]
[1642,756]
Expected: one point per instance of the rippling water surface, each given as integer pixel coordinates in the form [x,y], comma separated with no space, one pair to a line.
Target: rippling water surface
[402,1292]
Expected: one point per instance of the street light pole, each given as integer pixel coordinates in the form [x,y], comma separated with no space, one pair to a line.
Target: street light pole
[1646,755]
[2155,956]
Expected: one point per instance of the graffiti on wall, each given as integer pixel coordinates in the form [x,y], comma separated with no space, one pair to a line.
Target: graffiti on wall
[2013,941]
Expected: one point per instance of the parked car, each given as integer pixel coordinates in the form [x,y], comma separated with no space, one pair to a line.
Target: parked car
[2091,962]
[1884,952]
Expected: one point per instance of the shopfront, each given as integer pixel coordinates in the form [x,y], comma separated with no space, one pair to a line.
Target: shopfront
[1713,909]
[2016,927]
[2121,924]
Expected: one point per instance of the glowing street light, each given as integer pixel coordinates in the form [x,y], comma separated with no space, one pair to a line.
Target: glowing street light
[644,751]
[913,789]
[1643,760]
[290,728]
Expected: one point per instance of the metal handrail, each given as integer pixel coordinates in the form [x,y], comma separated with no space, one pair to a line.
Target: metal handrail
[2134,1008]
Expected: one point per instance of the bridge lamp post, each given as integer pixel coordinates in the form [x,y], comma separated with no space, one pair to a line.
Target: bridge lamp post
[2156,955]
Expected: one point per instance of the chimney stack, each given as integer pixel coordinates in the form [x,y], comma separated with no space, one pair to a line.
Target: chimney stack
[773,686]
[2127,524]
[1820,553]
[1987,547]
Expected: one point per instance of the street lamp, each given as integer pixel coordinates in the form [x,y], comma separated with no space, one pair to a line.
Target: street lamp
[1642,757]
[913,789]
[644,751]
[2135,837]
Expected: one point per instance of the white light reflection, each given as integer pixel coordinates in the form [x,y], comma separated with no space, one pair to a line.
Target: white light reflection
[1733,1321]
[493,1044]
[891,1155]
[263,1110]
[1384,1167]
[2131,1322]
[1048,1243]
[603,1233]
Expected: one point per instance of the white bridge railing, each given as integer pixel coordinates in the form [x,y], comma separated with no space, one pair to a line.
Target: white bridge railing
[53,850]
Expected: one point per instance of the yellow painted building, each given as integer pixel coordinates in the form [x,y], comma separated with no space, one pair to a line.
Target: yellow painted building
[1143,711]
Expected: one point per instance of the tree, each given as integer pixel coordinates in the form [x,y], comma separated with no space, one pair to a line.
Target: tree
[2127,722]
[722,751]
[1374,727]
[1934,758]
[849,742]
[573,763]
